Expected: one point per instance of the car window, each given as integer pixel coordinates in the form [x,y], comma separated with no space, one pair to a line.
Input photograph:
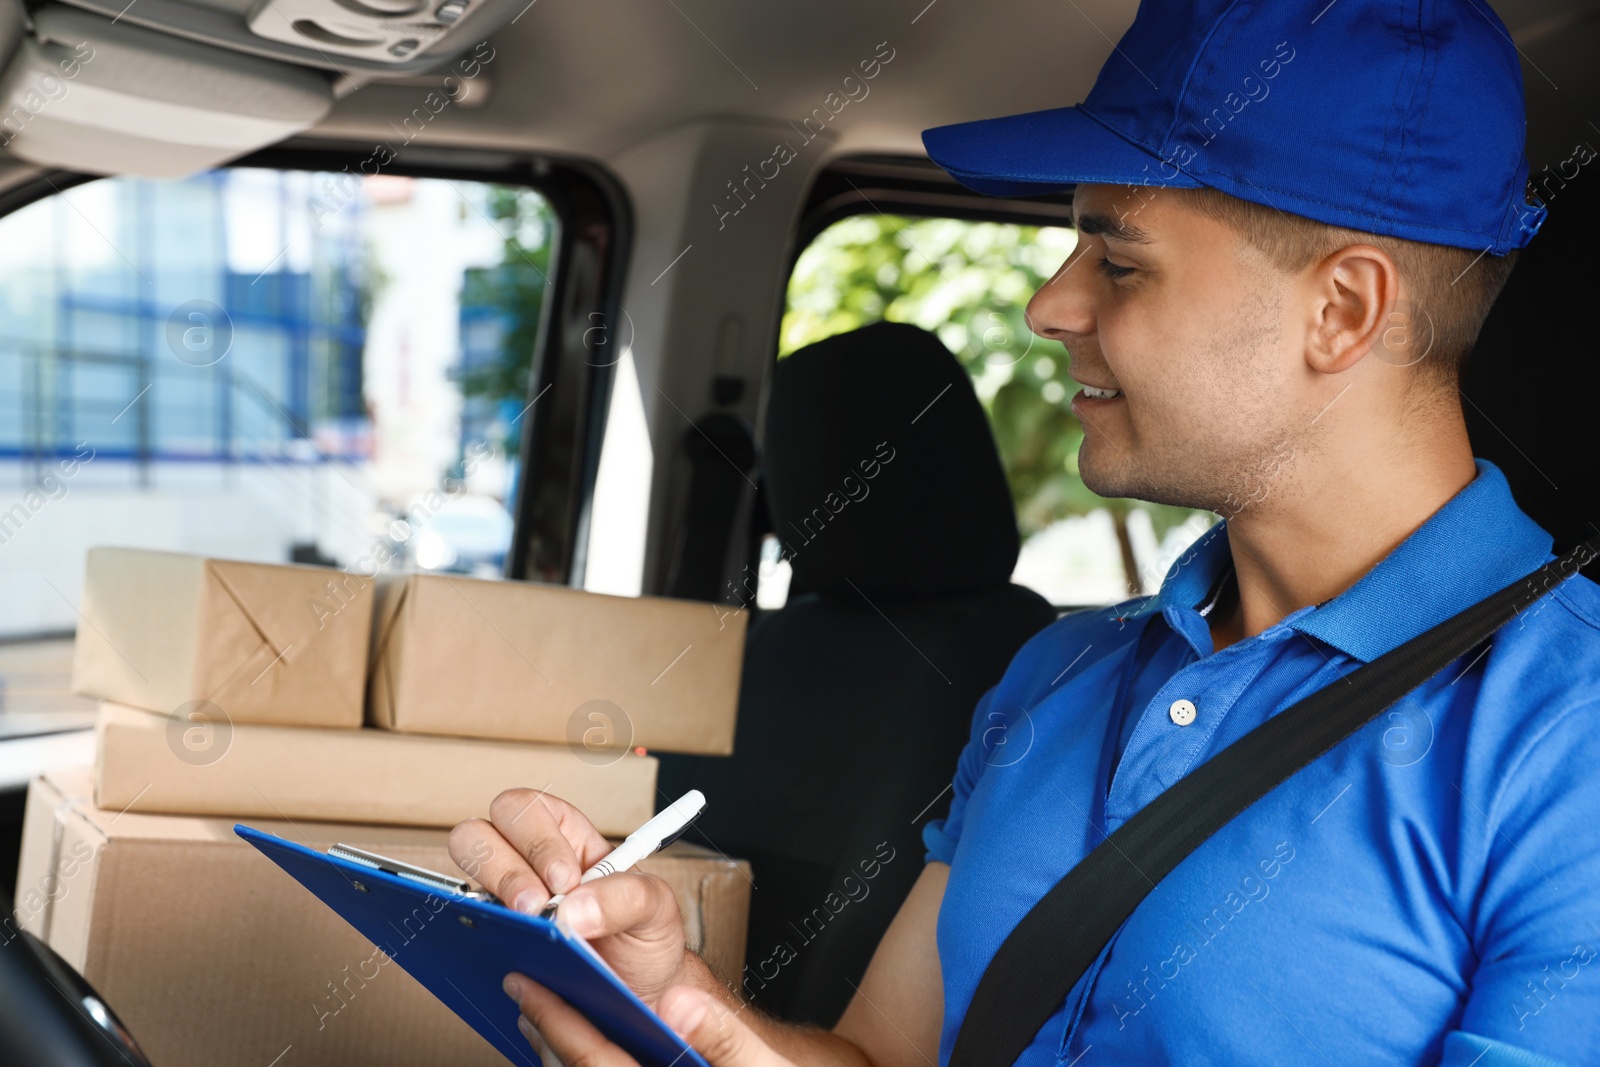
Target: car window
[969,282]
[262,364]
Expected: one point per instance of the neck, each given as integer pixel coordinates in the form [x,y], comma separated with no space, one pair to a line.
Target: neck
[1332,522]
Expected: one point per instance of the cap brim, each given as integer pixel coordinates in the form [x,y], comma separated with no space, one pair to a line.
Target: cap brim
[1045,151]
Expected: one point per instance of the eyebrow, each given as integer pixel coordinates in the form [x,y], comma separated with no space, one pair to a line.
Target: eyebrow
[1113,228]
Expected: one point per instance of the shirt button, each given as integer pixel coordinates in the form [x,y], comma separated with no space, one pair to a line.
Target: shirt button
[1182,712]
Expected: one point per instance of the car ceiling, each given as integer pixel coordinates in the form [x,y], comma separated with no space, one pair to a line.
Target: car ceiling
[590,78]
[593,77]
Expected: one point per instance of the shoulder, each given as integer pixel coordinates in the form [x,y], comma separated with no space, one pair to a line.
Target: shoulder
[1581,599]
[1537,699]
[1550,653]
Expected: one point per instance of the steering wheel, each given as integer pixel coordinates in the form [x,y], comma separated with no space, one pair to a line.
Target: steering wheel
[49,1014]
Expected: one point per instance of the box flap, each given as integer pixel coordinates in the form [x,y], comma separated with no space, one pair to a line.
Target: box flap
[284,643]
[388,619]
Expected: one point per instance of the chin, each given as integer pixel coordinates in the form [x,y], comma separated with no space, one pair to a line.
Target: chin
[1122,476]
[1111,479]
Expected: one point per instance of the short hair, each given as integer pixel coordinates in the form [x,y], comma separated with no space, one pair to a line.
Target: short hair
[1454,286]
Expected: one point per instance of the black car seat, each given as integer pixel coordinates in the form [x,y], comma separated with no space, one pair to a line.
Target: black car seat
[883,481]
[1523,389]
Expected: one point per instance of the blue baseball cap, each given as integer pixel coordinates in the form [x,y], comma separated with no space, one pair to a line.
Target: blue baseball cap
[1398,117]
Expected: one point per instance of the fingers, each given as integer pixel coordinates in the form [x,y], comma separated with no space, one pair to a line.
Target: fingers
[534,845]
[715,1030]
[571,1037]
[552,836]
[473,844]
[638,904]
[479,850]
[710,1026]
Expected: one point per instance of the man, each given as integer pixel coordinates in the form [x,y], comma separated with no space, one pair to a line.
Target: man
[1292,222]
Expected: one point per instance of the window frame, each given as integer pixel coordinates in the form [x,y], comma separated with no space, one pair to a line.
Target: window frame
[905,185]
[561,437]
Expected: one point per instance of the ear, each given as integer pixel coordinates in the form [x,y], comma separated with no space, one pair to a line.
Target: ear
[1356,291]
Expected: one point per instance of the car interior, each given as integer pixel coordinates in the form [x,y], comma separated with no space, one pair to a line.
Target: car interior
[656,295]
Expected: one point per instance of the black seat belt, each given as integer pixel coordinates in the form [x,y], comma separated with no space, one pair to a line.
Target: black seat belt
[1059,939]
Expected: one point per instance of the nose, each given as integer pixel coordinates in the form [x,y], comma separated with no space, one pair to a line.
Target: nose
[1063,307]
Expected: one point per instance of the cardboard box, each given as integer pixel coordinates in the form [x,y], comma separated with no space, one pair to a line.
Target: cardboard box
[546,663]
[259,642]
[212,955]
[365,775]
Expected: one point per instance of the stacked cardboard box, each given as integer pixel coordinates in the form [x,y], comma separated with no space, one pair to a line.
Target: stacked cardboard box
[211,955]
[256,672]
[257,642]
[236,691]
[375,776]
[531,662]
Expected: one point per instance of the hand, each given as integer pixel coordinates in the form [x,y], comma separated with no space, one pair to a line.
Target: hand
[708,1025]
[535,845]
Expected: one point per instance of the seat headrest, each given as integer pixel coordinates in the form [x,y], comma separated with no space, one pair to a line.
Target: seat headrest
[882,471]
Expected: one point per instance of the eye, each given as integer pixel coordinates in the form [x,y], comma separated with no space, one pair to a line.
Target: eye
[1112,270]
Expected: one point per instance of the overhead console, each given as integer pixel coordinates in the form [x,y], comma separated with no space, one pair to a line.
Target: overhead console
[166,88]
[387,36]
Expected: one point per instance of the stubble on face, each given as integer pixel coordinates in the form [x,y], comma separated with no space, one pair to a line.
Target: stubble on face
[1214,429]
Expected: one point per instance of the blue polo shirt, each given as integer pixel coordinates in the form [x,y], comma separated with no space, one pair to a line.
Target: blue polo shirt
[1427,891]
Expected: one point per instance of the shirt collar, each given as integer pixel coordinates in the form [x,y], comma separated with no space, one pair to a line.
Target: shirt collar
[1192,577]
[1474,545]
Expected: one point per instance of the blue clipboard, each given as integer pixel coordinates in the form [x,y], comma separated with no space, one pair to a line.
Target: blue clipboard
[461,949]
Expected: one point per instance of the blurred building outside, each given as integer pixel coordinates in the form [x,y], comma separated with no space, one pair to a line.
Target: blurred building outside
[251,364]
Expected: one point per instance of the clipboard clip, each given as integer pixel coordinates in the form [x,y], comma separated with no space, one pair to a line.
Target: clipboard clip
[431,879]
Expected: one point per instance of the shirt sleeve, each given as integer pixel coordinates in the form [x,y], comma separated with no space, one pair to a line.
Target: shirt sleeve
[941,835]
[1537,932]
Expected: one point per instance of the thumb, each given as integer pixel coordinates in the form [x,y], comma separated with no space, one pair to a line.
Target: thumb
[715,1030]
